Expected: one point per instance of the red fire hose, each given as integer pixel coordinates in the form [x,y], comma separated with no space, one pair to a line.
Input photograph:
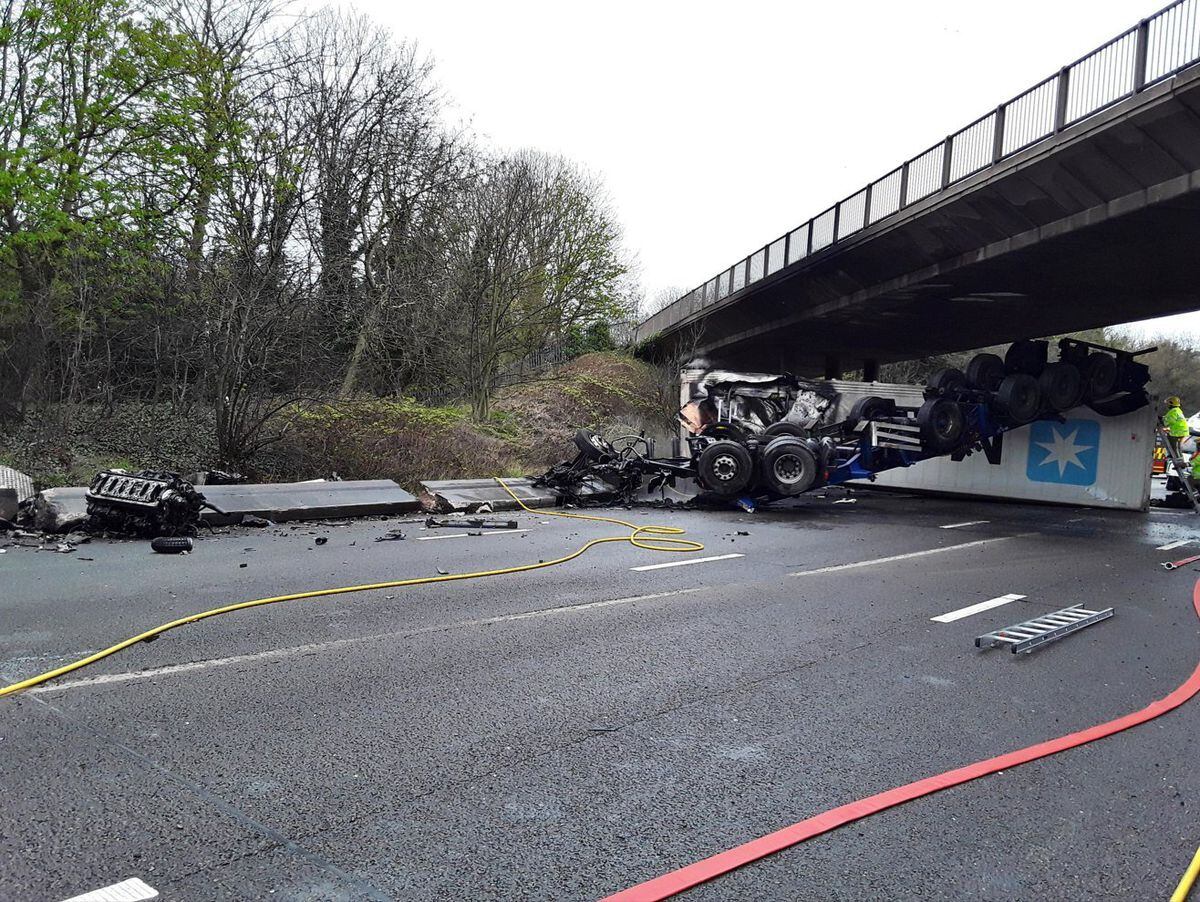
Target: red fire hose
[702,871]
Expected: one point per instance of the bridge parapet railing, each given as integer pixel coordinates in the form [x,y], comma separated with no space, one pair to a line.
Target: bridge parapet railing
[1155,49]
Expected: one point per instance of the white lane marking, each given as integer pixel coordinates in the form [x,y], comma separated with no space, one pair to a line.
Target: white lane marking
[275,653]
[1171,545]
[902,557]
[961,525]
[131,890]
[694,560]
[463,535]
[976,608]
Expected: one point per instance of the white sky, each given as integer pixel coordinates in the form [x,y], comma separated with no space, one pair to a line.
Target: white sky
[719,126]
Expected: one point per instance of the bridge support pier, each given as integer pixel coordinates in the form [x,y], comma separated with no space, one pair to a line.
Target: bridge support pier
[870,370]
[833,368]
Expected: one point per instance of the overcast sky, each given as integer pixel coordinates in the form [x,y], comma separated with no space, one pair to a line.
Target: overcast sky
[718,126]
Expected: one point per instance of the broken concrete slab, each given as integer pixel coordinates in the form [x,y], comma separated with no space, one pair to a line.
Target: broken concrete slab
[281,502]
[60,510]
[446,495]
[21,484]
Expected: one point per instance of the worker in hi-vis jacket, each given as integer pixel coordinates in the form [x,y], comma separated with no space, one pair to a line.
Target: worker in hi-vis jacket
[1177,425]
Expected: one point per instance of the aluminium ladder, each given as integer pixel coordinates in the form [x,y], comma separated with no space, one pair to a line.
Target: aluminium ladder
[1030,635]
[1182,470]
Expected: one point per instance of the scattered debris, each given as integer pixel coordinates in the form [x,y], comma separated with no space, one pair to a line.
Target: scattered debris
[469,522]
[320,540]
[846,501]
[171,545]
[60,510]
[392,535]
[253,520]
[442,572]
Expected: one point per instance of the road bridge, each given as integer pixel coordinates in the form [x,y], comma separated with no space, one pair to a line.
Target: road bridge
[1074,205]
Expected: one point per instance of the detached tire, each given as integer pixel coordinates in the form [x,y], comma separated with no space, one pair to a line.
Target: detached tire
[592,446]
[1099,376]
[1062,386]
[985,372]
[171,544]
[1019,398]
[789,467]
[725,468]
[942,425]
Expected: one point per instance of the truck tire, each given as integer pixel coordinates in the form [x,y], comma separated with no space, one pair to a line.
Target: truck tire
[870,408]
[788,467]
[942,425]
[1026,356]
[1019,398]
[947,380]
[1062,386]
[985,372]
[725,468]
[592,446]
[1099,376]
[171,544]
[777,429]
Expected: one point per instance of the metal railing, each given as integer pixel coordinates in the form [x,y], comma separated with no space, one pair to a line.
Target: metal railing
[1155,49]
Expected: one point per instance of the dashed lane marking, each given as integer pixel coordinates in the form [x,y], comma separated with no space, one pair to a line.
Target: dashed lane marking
[131,890]
[961,525]
[1171,545]
[976,608]
[695,560]
[334,644]
[903,557]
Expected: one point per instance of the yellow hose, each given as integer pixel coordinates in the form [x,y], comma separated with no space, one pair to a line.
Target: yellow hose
[1189,878]
[652,538]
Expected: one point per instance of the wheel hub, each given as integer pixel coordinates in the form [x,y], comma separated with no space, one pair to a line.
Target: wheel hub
[788,469]
[725,468]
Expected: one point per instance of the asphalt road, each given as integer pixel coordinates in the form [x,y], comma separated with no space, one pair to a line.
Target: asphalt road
[565,733]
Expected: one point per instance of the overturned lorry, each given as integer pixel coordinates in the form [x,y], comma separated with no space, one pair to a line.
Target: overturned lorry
[774,436]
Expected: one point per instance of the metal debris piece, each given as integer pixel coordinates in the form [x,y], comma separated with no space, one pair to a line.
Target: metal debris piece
[469,522]
[392,535]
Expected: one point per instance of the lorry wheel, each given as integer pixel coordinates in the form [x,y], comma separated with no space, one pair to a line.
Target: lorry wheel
[948,379]
[870,408]
[1061,385]
[725,467]
[942,424]
[777,429]
[592,446]
[1099,376]
[1026,356]
[985,372]
[171,544]
[788,466]
[1019,398]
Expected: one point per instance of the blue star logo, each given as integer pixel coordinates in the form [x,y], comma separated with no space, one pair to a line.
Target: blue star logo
[1065,453]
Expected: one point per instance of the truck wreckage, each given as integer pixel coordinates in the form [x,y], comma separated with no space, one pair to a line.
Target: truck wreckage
[775,436]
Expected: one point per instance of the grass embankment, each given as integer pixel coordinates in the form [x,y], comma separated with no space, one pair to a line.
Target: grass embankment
[531,427]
